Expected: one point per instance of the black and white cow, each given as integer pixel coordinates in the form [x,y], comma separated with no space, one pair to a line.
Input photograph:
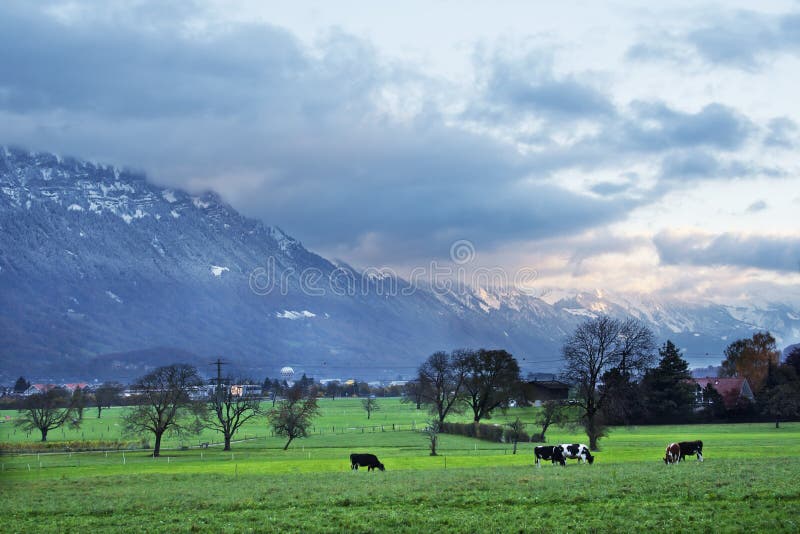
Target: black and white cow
[577,451]
[689,448]
[370,461]
[548,452]
[673,454]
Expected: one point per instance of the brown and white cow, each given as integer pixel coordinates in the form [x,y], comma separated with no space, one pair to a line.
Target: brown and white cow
[673,454]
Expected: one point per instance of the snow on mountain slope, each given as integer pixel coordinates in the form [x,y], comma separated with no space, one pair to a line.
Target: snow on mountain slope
[97,260]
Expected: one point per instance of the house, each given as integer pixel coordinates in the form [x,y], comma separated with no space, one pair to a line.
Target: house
[36,389]
[545,390]
[76,385]
[731,389]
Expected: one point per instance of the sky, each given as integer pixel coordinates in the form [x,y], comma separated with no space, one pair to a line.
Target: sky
[614,145]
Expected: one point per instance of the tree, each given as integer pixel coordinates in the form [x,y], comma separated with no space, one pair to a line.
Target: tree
[751,358]
[597,346]
[47,411]
[164,404]
[230,408]
[370,404]
[783,402]
[412,393]
[79,401]
[432,432]
[491,382]
[21,385]
[714,404]
[293,415]
[106,395]
[793,359]
[332,389]
[517,430]
[441,380]
[669,394]
[553,412]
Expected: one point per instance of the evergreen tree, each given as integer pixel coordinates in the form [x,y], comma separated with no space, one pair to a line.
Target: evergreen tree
[669,394]
[21,385]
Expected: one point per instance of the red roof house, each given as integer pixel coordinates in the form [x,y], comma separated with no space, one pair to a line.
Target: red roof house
[731,389]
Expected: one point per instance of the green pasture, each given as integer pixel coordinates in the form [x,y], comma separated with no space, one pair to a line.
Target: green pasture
[747,483]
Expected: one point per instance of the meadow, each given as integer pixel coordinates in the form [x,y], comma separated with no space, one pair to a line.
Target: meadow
[747,483]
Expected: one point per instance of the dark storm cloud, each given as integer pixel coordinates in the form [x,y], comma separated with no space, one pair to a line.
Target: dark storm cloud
[728,249]
[287,134]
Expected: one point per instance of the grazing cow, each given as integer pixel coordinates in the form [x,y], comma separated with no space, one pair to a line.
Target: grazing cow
[548,452]
[673,453]
[688,448]
[577,451]
[370,461]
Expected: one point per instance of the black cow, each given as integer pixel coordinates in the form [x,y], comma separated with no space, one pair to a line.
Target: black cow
[549,452]
[370,461]
[688,448]
[577,451]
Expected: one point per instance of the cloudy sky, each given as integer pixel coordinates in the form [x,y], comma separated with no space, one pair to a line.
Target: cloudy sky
[605,145]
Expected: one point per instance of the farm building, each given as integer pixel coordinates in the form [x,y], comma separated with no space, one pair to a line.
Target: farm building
[731,389]
[545,390]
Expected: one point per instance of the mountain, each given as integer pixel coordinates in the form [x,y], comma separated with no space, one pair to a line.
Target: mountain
[96,261]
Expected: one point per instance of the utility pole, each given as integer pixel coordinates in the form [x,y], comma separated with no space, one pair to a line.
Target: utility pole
[219,363]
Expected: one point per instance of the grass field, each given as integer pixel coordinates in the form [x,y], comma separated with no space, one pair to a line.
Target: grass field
[747,483]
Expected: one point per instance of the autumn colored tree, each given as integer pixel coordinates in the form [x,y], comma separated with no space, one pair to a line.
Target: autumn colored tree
[751,358]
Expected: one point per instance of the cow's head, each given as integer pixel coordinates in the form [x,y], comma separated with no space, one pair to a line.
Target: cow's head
[380,466]
[589,457]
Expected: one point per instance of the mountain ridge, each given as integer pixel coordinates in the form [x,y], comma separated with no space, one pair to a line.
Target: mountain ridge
[96,260]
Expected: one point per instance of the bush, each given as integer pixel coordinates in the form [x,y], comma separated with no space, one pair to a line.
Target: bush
[493,433]
[72,446]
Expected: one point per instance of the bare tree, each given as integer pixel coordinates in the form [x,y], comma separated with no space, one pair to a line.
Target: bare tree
[553,412]
[293,415]
[491,382]
[47,411]
[432,432]
[230,407]
[164,403]
[517,428]
[441,381]
[370,405]
[596,347]
[107,394]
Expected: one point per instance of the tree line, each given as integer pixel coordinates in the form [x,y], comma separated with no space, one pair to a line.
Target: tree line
[616,373]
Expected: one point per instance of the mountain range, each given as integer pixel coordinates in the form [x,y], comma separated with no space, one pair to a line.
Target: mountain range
[104,274]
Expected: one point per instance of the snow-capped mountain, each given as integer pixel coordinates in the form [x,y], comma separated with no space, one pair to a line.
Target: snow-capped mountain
[96,261]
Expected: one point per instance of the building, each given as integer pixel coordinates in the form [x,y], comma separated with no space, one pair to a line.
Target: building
[544,390]
[731,389]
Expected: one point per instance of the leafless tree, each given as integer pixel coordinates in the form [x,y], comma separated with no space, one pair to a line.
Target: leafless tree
[293,415]
[441,381]
[47,411]
[231,407]
[553,412]
[370,405]
[164,404]
[432,432]
[597,346]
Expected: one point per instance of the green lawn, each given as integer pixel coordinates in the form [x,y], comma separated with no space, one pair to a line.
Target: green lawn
[747,483]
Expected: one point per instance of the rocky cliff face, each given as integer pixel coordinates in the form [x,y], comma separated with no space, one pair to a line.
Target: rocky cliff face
[95,261]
